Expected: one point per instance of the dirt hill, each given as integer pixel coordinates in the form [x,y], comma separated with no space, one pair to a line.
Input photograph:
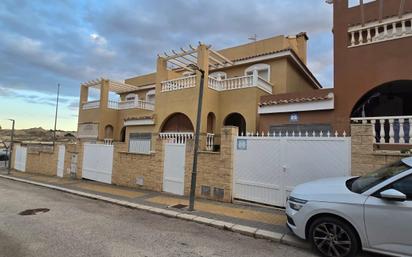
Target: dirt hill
[37,134]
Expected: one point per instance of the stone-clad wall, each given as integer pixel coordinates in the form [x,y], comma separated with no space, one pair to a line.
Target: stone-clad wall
[130,169]
[364,158]
[42,161]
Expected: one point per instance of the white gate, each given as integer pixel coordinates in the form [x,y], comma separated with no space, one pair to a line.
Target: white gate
[268,168]
[174,168]
[60,160]
[98,162]
[20,158]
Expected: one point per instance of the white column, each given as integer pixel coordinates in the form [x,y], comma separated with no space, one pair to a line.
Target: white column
[373,122]
[369,38]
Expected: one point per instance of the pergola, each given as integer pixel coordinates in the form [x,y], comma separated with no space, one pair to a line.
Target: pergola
[182,59]
[114,86]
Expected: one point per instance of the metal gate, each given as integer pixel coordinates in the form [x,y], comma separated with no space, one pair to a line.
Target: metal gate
[60,161]
[266,169]
[174,168]
[98,162]
[20,158]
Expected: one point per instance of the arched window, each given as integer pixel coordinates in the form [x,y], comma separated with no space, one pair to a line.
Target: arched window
[219,75]
[177,122]
[211,119]
[261,69]
[108,132]
[132,97]
[150,96]
[237,120]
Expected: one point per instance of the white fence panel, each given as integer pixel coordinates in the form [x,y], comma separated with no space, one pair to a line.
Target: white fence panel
[174,168]
[98,162]
[139,145]
[60,161]
[266,169]
[20,158]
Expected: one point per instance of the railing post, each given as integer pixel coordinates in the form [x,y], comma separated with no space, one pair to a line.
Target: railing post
[382,131]
[401,131]
[373,122]
[391,132]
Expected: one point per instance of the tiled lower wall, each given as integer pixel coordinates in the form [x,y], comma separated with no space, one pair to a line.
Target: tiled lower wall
[364,158]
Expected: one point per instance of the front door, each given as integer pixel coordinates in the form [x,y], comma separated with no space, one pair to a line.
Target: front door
[174,168]
[388,222]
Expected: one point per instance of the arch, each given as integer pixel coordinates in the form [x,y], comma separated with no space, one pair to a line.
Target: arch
[123,134]
[211,120]
[177,122]
[389,99]
[108,131]
[150,96]
[237,120]
[219,75]
[261,69]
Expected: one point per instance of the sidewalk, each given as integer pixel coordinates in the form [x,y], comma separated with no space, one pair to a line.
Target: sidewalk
[251,220]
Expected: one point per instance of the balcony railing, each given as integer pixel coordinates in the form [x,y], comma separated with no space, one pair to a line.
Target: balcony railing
[91,105]
[176,137]
[390,129]
[178,84]
[209,141]
[123,105]
[239,83]
[374,32]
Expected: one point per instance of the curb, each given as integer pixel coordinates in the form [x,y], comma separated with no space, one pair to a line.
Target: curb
[237,228]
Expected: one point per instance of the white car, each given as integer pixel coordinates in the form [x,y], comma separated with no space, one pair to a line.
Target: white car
[340,216]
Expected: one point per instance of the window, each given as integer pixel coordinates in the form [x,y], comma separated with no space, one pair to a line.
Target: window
[404,185]
[353,3]
[261,69]
[140,143]
[131,97]
[220,75]
[150,96]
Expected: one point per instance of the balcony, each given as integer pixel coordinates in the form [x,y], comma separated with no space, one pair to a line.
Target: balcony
[91,105]
[123,105]
[239,83]
[218,85]
[375,32]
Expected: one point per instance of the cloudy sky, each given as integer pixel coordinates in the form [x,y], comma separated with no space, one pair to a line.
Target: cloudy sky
[43,43]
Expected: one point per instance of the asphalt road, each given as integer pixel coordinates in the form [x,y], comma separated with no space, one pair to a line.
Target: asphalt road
[77,226]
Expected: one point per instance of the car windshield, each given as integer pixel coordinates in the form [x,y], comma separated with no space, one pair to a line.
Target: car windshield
[361,184]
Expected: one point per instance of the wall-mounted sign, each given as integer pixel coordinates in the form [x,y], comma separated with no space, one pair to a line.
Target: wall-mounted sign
[242,144]
[294,117]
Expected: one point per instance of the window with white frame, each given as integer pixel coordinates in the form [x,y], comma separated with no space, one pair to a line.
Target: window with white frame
[353,3]
[140,143]
[150,96]
[131,97]
[261,69]
[219,75]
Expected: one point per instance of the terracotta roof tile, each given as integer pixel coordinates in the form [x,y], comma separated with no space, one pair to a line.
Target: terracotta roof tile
[300,97]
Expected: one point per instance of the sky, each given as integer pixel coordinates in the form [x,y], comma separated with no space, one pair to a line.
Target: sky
[43,43]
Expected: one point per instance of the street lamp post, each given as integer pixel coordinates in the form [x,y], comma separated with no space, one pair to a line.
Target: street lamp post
[11,145]
[197,132]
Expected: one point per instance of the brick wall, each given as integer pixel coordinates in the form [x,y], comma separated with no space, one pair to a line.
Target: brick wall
[364,158]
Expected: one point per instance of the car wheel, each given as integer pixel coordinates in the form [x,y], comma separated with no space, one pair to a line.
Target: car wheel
[333,238]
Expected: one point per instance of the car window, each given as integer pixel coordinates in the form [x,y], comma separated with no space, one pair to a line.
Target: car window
[361,184]
[404,185]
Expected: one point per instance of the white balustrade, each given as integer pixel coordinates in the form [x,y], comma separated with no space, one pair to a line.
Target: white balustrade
[374,32]
[239,83]
[178,84]
[108,141]
[389,129]
[91,105]
[176,137]
[131,104]
[209,141]
[309,134]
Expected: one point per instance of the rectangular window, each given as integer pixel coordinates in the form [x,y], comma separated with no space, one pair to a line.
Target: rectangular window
[140,143]
[353,3]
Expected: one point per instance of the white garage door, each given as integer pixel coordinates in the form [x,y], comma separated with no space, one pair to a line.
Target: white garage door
[98,162]
[174,168]
[266,169]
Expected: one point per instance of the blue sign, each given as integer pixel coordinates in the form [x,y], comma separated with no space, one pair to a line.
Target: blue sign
[294,117]
[242,144]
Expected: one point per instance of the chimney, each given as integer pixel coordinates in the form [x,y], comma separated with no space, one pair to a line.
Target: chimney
[301,41]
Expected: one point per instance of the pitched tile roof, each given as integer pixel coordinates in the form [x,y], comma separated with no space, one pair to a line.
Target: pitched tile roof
[300,97]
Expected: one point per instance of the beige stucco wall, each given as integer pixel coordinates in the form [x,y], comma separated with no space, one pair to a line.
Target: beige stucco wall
[295,80]
[42,162]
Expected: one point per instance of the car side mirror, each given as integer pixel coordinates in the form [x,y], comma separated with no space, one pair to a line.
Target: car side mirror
[393,194]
